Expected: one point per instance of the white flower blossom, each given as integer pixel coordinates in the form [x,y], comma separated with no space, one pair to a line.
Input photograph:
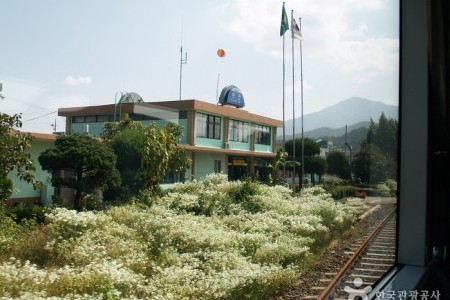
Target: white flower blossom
[196,242]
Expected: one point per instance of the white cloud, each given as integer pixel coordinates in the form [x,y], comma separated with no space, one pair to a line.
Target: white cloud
[368,58]
[333,31]
[307,86]
[74,81]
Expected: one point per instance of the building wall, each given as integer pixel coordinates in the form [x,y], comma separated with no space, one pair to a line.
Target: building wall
[24,190]
[185,114]
[96,128]
[225,143]
[204,163]
[239,145]
[263,148]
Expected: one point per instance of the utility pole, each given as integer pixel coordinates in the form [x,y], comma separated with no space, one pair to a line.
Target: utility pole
[182,61]
[54,127]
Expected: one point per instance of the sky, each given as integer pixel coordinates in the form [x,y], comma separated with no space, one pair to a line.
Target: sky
[67,53]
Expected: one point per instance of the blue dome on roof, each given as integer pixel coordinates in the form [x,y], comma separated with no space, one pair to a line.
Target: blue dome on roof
[231,95]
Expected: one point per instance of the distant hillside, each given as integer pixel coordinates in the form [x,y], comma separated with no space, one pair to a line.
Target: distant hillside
[334,132]
[354,138]
[347,112]
[355,135]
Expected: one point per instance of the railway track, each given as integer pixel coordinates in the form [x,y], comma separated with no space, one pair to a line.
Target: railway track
[368,259]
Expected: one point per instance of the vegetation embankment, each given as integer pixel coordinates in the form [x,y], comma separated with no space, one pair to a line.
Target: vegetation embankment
[341,189]
[210,239]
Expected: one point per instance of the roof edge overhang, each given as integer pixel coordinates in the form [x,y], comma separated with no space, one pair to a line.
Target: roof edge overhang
[173,105]
[37,135]
[228,151]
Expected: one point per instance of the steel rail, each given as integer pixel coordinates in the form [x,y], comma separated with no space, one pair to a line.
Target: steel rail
[330,289]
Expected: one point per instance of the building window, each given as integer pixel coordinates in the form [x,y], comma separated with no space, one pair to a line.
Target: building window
[90,119]
[238,131]
[103,118]
[263,135]
[217,166]
[173,177]
[208,126]
[78,119]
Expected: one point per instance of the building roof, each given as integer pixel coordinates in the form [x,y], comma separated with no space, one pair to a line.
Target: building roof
[39,136]
[193,104]
[43,136]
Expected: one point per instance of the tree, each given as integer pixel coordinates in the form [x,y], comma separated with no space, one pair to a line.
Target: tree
[128,144]
[338,164]
[126,138]
[154,149]
[311,148]
[161,153]
[91,163]
[371,165]
[315,165]
[377,159]
[14,155]
[384,135]
[111,129]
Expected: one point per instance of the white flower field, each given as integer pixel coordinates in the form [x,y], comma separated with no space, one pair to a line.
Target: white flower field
[208,239]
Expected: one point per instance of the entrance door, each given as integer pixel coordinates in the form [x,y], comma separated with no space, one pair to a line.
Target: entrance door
[237,168]
[237,172]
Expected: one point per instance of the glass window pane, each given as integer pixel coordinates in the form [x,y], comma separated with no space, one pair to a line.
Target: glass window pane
[90,119]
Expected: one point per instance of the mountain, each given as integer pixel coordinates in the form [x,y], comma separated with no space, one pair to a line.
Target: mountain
[347,112]
[355,135]
[334,132]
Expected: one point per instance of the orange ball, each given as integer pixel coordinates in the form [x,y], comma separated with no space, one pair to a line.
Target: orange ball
[221,52]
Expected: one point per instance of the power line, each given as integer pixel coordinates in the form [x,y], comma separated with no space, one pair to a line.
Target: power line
[40,116]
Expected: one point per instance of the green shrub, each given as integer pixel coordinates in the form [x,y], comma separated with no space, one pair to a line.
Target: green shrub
[6,187]
[392,184]
[57,200]
[91,202]
[145,197]
[341,192]
[9,231]
[383,190]
[23,211]
[243,195]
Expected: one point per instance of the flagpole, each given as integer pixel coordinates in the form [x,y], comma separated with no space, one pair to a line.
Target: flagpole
[284,119]
[293,102]
[301,99]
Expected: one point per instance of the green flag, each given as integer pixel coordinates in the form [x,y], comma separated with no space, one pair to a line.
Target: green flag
[284,22]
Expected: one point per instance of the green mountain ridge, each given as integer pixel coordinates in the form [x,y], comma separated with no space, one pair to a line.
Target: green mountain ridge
[356,133]
[347,112]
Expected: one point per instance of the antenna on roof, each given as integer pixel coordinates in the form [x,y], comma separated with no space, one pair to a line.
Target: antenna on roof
[182,61]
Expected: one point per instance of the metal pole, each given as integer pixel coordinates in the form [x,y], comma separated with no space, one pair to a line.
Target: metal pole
[182,61]
[350,160]
[115,104]
[284,119]
[345,141]
[181,69]
[217,88]
[301,87]
[293,103]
